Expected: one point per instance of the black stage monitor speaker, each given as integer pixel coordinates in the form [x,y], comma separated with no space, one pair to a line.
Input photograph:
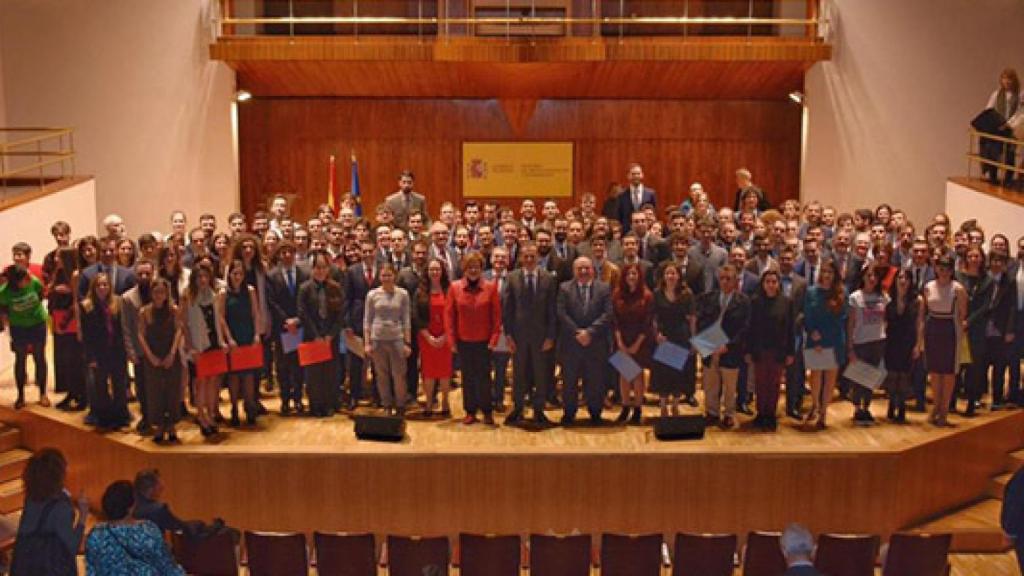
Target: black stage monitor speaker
[679,428]
[383,428]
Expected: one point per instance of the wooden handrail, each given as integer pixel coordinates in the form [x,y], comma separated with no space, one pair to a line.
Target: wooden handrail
[391,20]
[53,133]
[41,164]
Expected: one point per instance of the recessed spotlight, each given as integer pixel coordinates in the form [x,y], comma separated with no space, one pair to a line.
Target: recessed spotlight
[245,95]
[797,97]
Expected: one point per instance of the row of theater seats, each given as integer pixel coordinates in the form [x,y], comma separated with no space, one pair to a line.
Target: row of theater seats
[287,554]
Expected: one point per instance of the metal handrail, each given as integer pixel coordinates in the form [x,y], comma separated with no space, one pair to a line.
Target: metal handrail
[975,157]
[63,156]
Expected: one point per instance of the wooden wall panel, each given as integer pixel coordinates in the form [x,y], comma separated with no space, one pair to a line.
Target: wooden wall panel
[285,143]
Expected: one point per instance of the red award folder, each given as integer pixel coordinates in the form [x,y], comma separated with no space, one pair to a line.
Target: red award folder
[315,352]
[246,357]
[211,363]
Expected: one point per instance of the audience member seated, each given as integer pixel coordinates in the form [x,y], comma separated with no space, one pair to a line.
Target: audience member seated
[124,545]
[798,547]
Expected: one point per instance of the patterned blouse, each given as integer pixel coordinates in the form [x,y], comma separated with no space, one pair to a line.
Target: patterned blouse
[136,549]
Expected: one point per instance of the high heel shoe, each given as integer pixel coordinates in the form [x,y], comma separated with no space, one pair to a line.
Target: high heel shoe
[624,415]
[638,416]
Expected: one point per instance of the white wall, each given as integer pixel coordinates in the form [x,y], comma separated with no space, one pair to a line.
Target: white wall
[151,112]
[888,116]
[996,215]
[3,101]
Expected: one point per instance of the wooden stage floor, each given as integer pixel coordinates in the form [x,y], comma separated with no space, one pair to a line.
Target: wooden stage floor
[299,473]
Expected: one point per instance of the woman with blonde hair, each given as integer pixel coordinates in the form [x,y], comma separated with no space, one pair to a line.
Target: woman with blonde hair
[105,354]
[1006,100]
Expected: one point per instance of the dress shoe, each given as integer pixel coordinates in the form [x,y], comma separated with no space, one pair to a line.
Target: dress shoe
[692,401]
[637,417]
[623,416]
[286,410]
[19,403]
[744,409]
[540,418]
[514,417]
[489,419]
[44,401]
[596,421]
[64,404]
[235,422]
[469,420]
[261,410]
[728,423]
[567,421]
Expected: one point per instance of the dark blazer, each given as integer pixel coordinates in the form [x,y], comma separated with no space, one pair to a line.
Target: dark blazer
[749,283]
[529,320]
[570,252]
[797,294]
[456,270]
[1004,305]
[102,343]
[648,196]
[927,275]
[355,293]
[124,279]
[657,250]
[596,318]
[313,326]
[803,570]
[284,304]
[693,275]
[409,279]
[396,202]
[735,322]
[560,269]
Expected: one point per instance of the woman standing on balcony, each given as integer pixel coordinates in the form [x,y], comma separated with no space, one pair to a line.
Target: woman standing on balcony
[1006,100]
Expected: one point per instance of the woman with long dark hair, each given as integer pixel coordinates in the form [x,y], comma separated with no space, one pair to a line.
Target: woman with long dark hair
[105,354]
[319,309]
[428,323]
[69,371]
[825,311]
[160,339]
[771,339]
[675,321]
[866,335]
[901,314]
[633,306]
[202,334]
[239,316]
[170,269]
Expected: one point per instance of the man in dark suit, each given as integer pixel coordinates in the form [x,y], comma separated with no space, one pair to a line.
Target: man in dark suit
[1002,325]
[731,308]
[409,278]
[651,248]
[121,279]
[1016,271]
[634,197]
[797,548]
[810,262]
[440,250]
[283,285]
[359,280]
[529,318]
[708,255]
[794,287]
[501,354]
[748,284]
[406,201]
[691,270]
[548,260]
[585,321]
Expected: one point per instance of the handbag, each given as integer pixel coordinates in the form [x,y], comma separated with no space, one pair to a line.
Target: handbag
[41,551]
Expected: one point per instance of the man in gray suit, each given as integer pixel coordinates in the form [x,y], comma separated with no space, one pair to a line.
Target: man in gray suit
[584,318]
[528,315]
[406,201]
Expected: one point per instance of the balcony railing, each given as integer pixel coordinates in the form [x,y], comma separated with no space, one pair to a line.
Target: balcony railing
[521,18]
[32,158]
[1004,163]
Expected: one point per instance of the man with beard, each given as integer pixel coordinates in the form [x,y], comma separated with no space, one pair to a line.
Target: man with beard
[650,248]
[563,248]
[409,278]
[406,201]
[547,259]
[485,240]
[132,302]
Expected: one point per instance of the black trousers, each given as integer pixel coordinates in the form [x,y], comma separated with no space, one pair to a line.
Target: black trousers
[998,354]
[69,366]
[532,375]
[289,375]
[321,387]
[108,393]
[477,385]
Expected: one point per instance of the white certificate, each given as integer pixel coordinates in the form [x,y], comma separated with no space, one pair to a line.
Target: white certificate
[865,374]
[710,340]
[824,359]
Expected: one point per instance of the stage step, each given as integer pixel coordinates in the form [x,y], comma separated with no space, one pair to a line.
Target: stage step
[10,437]
[1015,461]
[12,496]
[997,485]
[12,462]
[975,528]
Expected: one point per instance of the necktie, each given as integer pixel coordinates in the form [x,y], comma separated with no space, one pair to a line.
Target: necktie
[369,276]
[585,291]
[810,274]
[291,282]
[531,283]
[917,278]
[636,198]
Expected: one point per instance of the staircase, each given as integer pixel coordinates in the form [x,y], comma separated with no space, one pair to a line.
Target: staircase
[12,494]
[975,527]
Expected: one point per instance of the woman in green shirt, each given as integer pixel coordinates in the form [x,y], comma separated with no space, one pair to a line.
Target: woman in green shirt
[22,310]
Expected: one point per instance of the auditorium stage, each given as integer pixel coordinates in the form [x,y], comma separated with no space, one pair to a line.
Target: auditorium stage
[299,473]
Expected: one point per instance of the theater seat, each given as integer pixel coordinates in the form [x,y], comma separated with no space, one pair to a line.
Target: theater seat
[489,555]
[560,555]
[917,555]
[409,556]
[763,555]
[846,554]
[345,554]
[276,553]
[704,555]
[212,556]
[630,555]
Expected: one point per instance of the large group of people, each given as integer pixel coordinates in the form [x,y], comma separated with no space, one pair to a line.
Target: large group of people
[338,311]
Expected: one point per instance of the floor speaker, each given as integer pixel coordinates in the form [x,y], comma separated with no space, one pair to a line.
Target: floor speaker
[382,428]
[679,427]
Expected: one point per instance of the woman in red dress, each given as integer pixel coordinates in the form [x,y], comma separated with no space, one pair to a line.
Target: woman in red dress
[634,316]
[428,322]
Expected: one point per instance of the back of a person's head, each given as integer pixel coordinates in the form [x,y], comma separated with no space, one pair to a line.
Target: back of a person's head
[145,481]
[44,474]
[796,542]
[118,500]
